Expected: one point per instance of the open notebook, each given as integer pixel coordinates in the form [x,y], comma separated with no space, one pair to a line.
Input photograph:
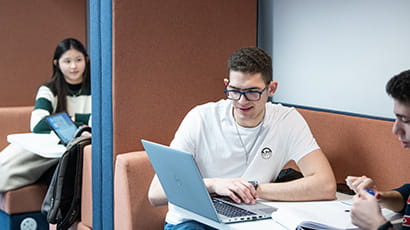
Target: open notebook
[332,215]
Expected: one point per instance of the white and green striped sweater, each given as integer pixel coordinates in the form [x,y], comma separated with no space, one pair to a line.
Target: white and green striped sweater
[78,107]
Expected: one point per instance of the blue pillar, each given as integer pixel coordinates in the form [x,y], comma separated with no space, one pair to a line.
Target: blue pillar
[101,89]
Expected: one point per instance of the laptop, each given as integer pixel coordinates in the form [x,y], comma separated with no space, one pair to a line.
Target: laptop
[62,126]
[183,185]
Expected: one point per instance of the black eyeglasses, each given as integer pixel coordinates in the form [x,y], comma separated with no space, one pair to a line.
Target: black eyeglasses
[251,95]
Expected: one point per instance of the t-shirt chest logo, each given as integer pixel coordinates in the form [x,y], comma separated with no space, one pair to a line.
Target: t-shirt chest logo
[266,153]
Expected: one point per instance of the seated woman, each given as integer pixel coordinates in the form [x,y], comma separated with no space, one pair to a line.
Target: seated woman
[68,91]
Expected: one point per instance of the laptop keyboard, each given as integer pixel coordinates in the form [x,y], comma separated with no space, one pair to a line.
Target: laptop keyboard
[230,210]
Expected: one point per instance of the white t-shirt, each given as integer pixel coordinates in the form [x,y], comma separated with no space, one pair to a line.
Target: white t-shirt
[211,134]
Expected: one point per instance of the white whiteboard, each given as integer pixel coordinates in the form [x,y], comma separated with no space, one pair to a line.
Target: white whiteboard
[338,55]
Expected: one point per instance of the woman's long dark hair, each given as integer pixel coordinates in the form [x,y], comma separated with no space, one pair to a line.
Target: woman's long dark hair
[57,83]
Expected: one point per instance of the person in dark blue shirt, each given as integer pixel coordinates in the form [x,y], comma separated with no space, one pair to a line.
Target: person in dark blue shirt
[365,211]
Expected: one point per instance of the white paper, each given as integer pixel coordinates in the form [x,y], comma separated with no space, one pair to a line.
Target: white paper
[334,214]
[45,145]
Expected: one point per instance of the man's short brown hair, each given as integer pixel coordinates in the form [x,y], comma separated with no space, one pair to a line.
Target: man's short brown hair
[251,60]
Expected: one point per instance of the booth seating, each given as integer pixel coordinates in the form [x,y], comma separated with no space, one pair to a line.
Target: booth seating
[132,210]
[21,207]
[132,178]
[360,146]
[354,146]
[86,220]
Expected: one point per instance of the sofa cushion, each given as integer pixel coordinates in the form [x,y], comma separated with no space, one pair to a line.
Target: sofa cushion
[132,178]
[25,199]
[82,226]
[14,120]
[360,146]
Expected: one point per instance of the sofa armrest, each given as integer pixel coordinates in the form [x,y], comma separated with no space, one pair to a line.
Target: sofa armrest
[86,192]
[132,178]
[14,120]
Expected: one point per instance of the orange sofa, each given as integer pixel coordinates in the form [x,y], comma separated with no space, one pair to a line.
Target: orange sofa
[360,146]
[354,146]
[86,221]
[24,204]
[13,120]
[132,210]
[20,206]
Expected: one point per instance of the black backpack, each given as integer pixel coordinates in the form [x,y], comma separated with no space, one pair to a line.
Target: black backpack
[62,203]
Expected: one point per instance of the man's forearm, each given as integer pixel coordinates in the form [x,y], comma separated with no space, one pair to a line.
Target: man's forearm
[303,189]
[156,194]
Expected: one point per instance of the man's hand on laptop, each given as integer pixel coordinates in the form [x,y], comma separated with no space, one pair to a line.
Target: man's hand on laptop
[238,189]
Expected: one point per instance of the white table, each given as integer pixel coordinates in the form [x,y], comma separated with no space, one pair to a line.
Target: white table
[45,145]
[269,223]
[259,224]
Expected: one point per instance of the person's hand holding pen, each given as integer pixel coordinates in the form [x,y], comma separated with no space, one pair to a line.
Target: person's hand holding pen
[365,211]
[390,199]
[363,183]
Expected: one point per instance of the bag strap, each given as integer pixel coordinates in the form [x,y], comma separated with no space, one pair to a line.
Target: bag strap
[81,130]
[78,134]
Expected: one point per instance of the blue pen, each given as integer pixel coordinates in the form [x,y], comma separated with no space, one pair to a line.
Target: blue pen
[370,192]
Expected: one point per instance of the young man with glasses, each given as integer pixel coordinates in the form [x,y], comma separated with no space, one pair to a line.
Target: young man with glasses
[241,144]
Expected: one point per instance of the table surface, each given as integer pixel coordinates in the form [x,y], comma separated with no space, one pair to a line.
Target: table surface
[270,223]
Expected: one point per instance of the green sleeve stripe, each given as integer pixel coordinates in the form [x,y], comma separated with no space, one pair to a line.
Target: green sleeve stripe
[43,103]
[42,127]
[82,118]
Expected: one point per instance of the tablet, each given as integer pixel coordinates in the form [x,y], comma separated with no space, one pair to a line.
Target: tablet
[63,126]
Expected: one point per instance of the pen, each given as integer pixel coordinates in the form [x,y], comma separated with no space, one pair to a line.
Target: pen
[370,192]
[346,203]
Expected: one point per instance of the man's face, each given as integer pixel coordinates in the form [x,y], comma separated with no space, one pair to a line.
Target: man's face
[249,113]
[401,126]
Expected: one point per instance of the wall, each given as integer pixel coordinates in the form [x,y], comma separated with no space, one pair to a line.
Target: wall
[168,57]
[29,34]
[339,55]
